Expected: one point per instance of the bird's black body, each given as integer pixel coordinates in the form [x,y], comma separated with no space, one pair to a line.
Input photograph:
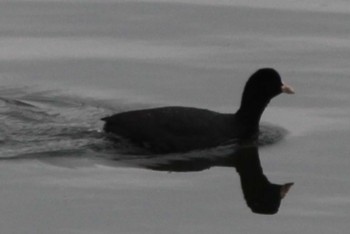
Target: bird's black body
[173,129]
[180,129]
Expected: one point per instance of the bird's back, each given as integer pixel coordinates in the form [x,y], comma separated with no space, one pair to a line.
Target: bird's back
[171,129]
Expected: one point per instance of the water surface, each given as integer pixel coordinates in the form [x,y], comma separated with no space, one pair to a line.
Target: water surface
[66,64]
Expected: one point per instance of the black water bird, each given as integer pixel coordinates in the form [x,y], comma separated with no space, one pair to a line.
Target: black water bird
[181,129]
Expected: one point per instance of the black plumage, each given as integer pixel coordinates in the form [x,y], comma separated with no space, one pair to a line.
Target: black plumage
[181,129]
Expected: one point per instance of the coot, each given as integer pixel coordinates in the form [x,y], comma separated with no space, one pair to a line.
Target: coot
[181,129]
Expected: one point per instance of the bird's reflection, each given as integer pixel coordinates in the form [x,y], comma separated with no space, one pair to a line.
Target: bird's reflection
[261,196]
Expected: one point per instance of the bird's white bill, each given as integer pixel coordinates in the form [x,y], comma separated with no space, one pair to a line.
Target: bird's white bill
[287,89]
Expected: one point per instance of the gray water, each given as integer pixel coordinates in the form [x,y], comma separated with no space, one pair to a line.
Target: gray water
[66,64]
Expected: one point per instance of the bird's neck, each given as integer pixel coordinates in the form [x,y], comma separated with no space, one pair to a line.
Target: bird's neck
[249,115]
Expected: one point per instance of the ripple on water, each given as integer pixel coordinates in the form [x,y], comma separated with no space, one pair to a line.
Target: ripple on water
[47,123]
